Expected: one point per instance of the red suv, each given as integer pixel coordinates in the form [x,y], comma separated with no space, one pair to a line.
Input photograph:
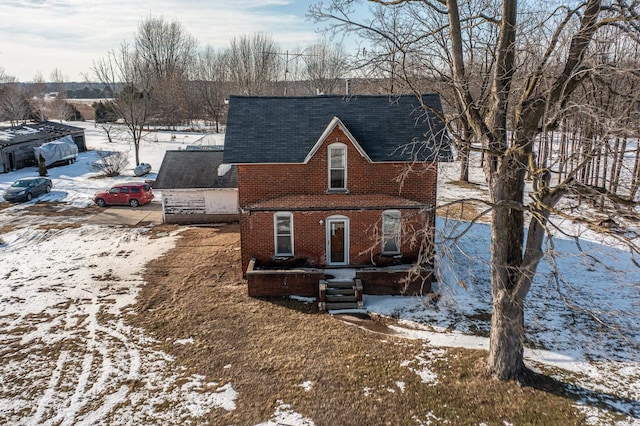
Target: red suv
[133,194]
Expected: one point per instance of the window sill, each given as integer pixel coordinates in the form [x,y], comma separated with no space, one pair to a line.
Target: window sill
[337,191]
[283,257]
[396,255]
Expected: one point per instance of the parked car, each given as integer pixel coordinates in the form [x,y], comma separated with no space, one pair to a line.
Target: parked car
[133,194]
[142,169]
[27,188]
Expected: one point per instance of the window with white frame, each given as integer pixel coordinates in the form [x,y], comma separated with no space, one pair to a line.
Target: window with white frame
[391,231]
[283,234]
[337,166]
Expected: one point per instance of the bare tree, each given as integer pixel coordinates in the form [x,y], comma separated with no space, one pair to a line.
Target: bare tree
[210,84]
[169,53]
[57,79]
[36,95]
[60,109]
[401,52]
[111,163]
[6,78]
[252,64]
[324,67]
[537,62]
[14,106]
[130,79]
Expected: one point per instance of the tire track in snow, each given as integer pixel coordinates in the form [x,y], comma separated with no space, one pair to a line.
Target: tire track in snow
[46,399]
[69,312]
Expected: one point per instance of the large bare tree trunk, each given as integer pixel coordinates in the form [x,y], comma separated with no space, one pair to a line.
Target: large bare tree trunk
[507,322]
[505,359]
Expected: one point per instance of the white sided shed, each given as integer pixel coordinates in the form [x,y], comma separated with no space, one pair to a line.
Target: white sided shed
[197,188]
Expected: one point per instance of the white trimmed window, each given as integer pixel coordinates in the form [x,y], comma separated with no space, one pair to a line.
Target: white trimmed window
[283,234]
[337,166]
[391,231]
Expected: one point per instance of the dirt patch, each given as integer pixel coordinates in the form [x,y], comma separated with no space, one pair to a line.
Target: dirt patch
[50,226]
[56,209]
[465,184]
[463,210]
[7,228]
[276,351]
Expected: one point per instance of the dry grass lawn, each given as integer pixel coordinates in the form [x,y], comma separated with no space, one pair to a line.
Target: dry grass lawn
[267,348]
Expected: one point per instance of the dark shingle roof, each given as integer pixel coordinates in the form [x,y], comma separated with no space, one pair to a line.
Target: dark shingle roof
[36,131]
[285,129]
[194,169]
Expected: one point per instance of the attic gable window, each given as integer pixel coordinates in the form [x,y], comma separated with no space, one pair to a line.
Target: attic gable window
[337,167]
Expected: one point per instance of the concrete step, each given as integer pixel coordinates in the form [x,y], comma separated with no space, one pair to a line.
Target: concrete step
[338,291]
[337,306]
[340,284]
[341,298]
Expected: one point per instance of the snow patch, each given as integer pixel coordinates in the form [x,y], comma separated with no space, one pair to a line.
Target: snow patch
[284,415]
[306,385]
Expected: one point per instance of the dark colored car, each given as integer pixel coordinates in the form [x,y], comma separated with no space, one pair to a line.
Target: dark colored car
[133,194]
[27,188]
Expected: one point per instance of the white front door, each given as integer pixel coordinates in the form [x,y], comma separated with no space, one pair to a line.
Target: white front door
[338,241]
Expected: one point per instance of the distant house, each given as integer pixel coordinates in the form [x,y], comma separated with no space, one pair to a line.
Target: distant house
[17,143]
[197,188]
[337,194]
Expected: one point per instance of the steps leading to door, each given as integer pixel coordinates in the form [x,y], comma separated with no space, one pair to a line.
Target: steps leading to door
[340,294]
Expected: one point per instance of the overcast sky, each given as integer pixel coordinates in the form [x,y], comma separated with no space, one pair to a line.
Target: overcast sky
[41,35]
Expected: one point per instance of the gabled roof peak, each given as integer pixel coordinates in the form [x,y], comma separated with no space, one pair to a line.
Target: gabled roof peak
[335,122]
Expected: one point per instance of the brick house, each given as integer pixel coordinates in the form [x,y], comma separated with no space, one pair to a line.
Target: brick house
[336,192]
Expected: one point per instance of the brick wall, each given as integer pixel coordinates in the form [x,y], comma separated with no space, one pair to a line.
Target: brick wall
[395,283]
[309,237]
[261,182]
[282,283]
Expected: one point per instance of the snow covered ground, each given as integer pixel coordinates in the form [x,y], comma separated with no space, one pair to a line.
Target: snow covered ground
[68,357]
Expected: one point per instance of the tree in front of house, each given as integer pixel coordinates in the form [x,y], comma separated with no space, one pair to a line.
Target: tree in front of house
[512,73]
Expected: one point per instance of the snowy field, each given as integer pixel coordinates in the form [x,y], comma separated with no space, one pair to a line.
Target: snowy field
[68,356]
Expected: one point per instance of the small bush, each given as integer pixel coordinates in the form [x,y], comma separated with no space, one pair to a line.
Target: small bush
[111,163]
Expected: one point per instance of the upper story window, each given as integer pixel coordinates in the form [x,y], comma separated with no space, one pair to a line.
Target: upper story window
[391,231]
[337,166]
[283,234]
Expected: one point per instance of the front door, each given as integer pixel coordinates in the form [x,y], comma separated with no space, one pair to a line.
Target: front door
[338,241]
